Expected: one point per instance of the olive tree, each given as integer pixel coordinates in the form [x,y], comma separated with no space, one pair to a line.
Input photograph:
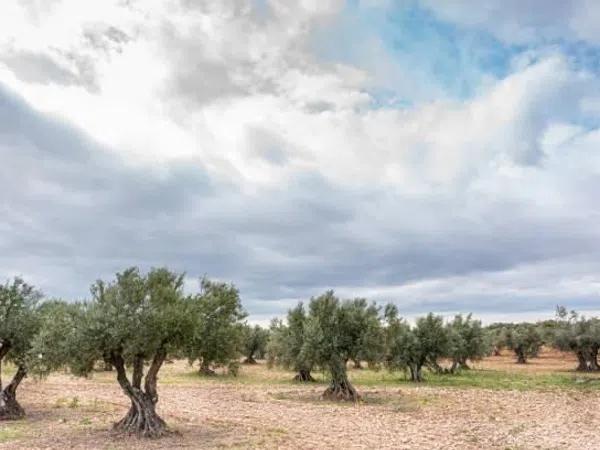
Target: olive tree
[412,348]
[286,342]
[328,343]
[255,343]
[495,335]
[466,341]
[364,331]
[217,334]
[524,340]
[578,335]
[135,321]
[18,326]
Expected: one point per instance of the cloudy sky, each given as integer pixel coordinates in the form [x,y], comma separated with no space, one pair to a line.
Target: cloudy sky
[441,154]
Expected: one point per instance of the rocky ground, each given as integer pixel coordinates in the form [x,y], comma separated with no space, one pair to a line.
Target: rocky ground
[262,410]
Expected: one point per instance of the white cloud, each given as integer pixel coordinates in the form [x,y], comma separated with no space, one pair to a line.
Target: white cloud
[225,141]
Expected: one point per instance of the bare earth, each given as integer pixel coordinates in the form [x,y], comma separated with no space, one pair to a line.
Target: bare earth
[67,412]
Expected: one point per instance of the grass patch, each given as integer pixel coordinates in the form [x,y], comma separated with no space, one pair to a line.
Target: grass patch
[501,378]
[475,378]
[393,402]
[10,433]
[484,379]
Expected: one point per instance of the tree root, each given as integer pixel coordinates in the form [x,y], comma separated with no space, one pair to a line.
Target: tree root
[341,392]
[304,376]
[142,422]
[207,371]
[10,409]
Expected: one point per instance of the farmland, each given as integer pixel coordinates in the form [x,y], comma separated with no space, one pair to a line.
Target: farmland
[498,404]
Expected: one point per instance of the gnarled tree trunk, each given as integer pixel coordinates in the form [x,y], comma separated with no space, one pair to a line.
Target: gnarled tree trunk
[10,409]
[357,364]
[521,359]
[416,374]
[593,364]
[340,387]
[250,359]
[455,366]
[205,369]
[142,419]
[582,365]
[304,375]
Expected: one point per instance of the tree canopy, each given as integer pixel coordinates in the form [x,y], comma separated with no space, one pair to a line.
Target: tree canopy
[524,340]
[286,343]
[255,343]
[329,343]
[412,348]
[466,341]
[579,335]
[217,335]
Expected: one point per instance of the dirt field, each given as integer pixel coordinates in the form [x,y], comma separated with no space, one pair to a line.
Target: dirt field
[541,405]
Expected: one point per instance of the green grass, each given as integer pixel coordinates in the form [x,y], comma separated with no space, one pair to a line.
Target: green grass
[483,379]
[10,433]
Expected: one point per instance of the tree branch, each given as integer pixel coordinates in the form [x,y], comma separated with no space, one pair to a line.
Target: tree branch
[138,371]
[4,349]
[14,384]
[119,363]
[152,375]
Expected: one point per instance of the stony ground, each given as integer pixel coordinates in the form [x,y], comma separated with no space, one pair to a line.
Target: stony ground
[261,409]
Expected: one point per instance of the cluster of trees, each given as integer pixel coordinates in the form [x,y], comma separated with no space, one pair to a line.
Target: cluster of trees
[568,332]
[134,323]
[333,332]
[574,333]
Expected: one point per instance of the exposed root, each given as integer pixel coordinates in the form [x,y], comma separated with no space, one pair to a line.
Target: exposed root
[207,371]
[343,391]
[142,422]
[304,376]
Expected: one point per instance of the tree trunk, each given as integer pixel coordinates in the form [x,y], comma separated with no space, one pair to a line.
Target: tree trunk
[340,388]
[455,366]
[521,359]
[582,365]
[142,419]
[205,369]
[593,364]
[10,409]
[496,351]
[463,364]
[304,376]
[415,373]
[357,364]
[250,360]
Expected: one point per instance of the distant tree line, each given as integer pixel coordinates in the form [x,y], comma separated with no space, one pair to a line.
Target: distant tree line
[136,322]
